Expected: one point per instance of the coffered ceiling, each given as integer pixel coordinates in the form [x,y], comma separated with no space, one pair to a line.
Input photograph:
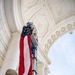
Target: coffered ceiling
[61,9]
[52,18]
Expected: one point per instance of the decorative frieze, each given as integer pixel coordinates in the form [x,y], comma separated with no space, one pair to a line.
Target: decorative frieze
[49,41]
[63,29]
[57,33]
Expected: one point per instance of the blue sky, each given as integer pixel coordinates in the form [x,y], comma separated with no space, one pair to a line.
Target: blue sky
[62,55]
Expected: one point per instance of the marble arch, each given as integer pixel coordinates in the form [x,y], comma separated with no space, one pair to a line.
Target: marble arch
[52,18]
[31,10]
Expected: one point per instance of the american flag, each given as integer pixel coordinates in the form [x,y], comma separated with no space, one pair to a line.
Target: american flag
[25,62]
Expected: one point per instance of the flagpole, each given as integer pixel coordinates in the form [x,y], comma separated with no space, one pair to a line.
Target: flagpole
[34,42]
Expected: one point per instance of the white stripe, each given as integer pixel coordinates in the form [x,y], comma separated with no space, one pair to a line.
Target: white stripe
[26,56]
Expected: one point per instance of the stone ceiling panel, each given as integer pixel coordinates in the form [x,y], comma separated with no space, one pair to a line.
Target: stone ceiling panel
[32,11]
[61,9]
[41,24]
[29,8]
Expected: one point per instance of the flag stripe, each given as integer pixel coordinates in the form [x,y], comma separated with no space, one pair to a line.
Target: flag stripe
[25,63]
[21,62]
[26,55]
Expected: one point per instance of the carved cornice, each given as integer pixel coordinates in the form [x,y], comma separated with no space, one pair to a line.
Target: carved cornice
[58,31]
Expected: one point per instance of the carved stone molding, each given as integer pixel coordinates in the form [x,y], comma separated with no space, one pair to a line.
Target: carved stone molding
[61,9]
[49,41]
[57,33]
[30,3]
[41,24]
[50,38]
[69,26]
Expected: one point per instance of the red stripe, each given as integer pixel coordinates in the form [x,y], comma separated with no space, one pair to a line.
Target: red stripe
[21,62]
[30,69]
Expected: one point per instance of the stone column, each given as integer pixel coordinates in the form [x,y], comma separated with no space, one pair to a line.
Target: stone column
[40,68]
[12,57]
[46,71]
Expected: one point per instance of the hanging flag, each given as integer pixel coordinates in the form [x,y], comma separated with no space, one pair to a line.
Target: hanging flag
[25,63]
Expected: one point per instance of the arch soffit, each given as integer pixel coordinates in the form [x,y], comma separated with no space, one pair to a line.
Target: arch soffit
[12,12]
[52,34]
[59,30]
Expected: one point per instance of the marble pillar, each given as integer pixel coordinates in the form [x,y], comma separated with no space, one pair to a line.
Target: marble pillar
[46,71]
[12,57]
[40,68]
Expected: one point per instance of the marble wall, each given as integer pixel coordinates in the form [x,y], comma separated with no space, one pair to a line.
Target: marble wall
[5,34]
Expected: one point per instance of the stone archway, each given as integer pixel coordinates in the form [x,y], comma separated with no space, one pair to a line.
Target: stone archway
[38,11]
[58,31]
